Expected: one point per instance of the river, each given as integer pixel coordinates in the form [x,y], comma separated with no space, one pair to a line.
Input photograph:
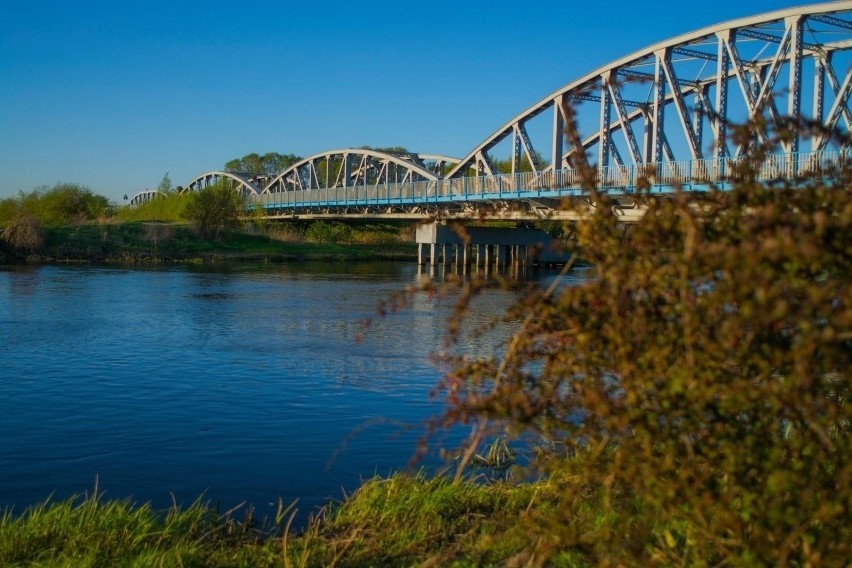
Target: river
[234,384]
[238,383]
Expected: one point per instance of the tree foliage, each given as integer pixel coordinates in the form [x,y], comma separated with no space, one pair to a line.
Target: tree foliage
[269,164]
[215,210]
[524,165]
[62,204]
[693,392]
[165,186]
[388,149]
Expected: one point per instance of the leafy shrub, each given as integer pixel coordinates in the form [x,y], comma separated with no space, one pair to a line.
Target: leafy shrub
[328,232]
[64,204]
[170,208]
[23,233]
[214,210]
[697,382]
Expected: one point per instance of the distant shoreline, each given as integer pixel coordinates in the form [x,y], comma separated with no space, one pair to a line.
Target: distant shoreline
[163,244]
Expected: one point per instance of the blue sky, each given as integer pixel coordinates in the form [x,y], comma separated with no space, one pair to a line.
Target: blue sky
[112,95]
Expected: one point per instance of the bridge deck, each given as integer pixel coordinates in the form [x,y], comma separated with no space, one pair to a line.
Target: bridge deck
[543,187]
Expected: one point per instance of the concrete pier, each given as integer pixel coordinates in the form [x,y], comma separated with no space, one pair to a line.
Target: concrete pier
[485,246]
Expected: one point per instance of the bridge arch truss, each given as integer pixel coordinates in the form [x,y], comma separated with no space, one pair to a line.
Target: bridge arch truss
[145,197]
[659,115]
[354,167]
[245,184]
[671,102]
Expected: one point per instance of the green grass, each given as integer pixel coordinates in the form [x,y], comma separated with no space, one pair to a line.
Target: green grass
[168,209]
[405,520]
[94,532]
[401,520]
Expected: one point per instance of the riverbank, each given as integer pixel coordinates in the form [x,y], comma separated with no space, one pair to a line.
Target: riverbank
[164,243]
[401,520]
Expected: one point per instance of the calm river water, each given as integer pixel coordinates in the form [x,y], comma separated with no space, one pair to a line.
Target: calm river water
[245,383]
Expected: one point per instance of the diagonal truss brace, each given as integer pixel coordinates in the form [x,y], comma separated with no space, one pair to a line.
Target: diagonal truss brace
[664,57]
[621,114]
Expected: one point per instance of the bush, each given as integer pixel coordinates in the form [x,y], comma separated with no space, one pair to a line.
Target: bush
[23,233]
[328,232]
[170,208]
[696,384]
[214,210]
[64,204]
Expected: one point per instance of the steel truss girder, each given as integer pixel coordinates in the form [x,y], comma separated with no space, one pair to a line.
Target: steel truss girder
[720,110]
[145,196]
[370,167]
[243,183]
[729,65]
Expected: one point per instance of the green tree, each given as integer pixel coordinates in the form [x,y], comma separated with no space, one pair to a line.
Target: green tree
[64,204]
[269,164]
[165,186]
[505,166]
[215,210]
[693,392]
[388,149]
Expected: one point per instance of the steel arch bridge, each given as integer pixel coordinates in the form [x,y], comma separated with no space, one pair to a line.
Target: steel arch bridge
[246,184]
[658,116]
[353,166]
[146,196]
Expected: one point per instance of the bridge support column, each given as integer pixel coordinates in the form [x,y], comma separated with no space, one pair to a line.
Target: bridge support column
[494,246]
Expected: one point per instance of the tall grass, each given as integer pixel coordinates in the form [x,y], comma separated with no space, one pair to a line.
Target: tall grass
[400,520]
[96,532]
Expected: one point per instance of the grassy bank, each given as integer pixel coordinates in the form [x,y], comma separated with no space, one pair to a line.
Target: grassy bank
[401,520]
[147,242]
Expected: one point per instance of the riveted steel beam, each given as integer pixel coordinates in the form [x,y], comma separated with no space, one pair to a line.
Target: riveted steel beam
[831,20]
[694,53]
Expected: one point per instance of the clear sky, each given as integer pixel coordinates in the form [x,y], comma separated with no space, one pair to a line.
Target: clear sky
[112,95]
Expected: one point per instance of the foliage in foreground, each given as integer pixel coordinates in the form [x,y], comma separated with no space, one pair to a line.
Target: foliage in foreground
[94,532]
[695,387]
[401,520]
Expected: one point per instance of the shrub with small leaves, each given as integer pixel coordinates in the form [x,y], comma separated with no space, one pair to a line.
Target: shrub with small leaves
[214,210]
[23,233]
[698,382]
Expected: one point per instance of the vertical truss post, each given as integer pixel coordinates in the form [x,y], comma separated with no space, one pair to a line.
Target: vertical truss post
[558,134]
[658,110]
[606,115]
[794,110]
[819,99]
[516,151]
[698,117]
[723,64]
[646,136]
[347,170]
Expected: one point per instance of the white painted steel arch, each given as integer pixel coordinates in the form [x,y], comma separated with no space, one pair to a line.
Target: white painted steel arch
[146,196]
[245,184]
[694,76]
[350,167]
